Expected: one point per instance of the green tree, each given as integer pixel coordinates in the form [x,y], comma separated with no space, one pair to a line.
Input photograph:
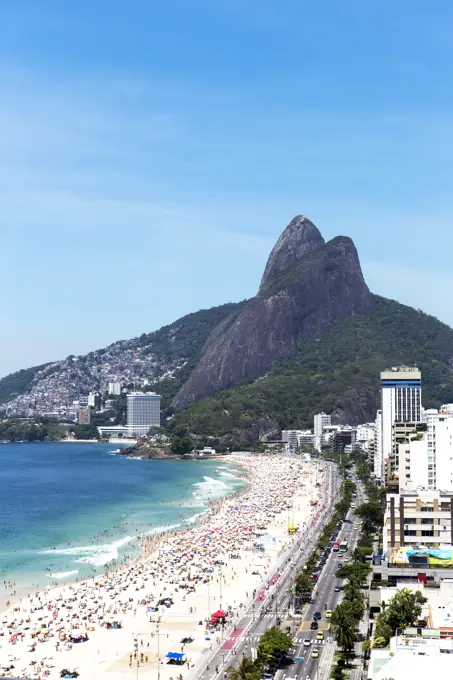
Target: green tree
[181,445]
[273,644]
[366,648]
[372,513]
[344,629]
[403,609]
[338,673]
[357,572]
[304,583]
[246,670]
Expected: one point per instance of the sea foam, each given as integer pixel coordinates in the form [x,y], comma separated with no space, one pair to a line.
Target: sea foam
[64,574]
[210,488]
[97,555]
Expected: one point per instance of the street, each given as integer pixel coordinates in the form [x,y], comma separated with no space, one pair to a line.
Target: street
[326,599]
[262,614]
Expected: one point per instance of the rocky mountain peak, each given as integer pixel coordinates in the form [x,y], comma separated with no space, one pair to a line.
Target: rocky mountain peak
[300,238]
[308,286]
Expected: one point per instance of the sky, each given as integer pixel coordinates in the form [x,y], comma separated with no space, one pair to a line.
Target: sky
[151,153]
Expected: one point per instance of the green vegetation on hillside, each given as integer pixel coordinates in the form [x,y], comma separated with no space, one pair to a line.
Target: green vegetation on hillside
[184,338]
[25,431]
[337,374]
[181,340]
[17,383]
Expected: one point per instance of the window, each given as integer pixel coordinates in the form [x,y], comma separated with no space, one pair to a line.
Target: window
[410,520]
[427,533]
[411,532]
[427,509]
[427,520]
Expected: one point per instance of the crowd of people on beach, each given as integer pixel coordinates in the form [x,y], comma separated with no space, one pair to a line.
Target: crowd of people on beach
[219,563]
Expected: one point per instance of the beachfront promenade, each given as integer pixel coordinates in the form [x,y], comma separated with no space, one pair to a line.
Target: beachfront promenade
[165,597]
[273,600]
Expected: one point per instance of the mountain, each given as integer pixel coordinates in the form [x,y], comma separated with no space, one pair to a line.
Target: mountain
[307,287]
[337,374]
[166,357]
[313,338]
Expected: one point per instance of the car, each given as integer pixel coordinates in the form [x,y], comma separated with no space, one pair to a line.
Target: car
[317,616]
[268,676]
[329,614]
[314,625]
[336,589]
[314,653]
[320,635]
[307,642]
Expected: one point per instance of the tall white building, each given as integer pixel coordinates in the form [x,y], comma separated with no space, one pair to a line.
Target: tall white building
[400,403]
[378,467]
[427,461]
[143,412]
[321,420]
[92,399]
[114,388]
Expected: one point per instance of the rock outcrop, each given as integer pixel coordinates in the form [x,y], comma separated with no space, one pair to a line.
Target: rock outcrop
[145,449]
[308,286]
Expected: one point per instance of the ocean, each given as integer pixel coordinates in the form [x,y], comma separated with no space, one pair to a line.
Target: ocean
[69,511]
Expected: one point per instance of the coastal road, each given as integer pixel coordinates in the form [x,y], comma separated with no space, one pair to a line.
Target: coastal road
[262,613]
[325,599]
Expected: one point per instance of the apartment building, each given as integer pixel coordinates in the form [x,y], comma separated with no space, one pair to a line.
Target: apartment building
[418,518]
[400,403]
[321,420]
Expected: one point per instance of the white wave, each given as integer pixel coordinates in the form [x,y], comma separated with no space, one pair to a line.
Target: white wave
[64,574]
[229,475]
[97,555]
[211,488]
[193,519]
[161,530]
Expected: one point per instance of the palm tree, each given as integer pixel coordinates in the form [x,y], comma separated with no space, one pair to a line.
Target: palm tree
[247,670]
[343,630]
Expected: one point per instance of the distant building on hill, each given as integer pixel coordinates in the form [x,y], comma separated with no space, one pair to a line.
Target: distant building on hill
[84,415]
[143,412]
[114,388]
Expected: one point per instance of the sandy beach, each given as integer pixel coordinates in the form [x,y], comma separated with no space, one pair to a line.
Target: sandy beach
[121,622]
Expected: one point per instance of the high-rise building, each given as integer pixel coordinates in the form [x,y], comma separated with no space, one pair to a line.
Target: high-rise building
[92,399]
[378,460]
[321,420]
[426,460]
[143,412]
[114,388]
[400,403]
[418,518]
[84,415]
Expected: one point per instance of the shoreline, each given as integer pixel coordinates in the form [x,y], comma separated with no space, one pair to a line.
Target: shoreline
[195,577]
[159,533]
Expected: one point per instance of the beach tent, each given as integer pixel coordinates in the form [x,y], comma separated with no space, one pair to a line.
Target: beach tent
[219,614]
[176,658]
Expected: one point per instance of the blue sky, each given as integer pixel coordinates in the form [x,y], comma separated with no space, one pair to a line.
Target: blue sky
[152,152]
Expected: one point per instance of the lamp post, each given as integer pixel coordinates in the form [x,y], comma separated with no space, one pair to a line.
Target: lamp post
[158,634]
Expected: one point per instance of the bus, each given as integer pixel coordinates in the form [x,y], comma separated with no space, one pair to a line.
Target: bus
[343,546]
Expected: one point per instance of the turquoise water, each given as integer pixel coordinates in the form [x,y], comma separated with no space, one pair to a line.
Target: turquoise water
[72,510]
